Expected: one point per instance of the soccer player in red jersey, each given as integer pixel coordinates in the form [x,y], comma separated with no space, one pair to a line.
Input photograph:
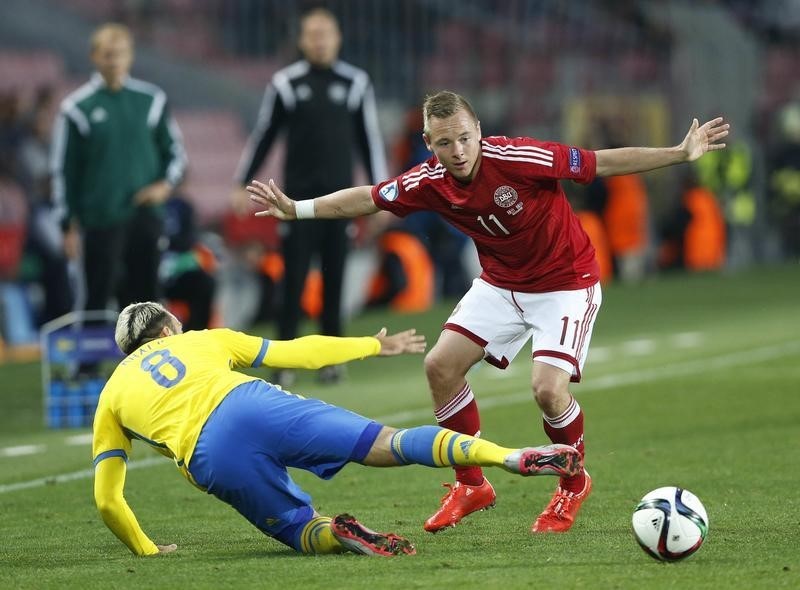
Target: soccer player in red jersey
[539,279]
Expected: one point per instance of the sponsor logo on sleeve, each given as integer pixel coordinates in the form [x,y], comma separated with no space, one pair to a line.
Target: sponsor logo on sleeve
[574,160]
[389,192]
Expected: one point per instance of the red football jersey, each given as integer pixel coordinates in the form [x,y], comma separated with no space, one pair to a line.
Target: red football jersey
[527,236]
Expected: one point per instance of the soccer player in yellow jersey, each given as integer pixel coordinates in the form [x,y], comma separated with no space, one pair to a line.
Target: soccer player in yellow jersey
[233,435]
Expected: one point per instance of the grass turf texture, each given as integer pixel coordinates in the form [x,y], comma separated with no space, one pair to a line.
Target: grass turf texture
[715,412]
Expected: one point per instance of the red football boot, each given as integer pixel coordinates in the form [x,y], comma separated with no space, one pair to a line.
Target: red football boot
[562,509]
[460,501]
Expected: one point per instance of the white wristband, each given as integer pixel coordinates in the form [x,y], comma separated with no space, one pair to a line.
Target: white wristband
[304,209]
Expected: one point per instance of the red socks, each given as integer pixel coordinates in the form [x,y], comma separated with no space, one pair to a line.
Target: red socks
[567,429]
[461,415]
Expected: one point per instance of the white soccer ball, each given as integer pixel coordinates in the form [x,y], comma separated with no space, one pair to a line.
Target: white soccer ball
[670,523]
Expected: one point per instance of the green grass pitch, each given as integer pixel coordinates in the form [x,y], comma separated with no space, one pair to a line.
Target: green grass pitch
[691,381]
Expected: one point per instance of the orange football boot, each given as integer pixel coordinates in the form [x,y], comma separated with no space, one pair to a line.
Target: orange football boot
[560,513]
[458,502]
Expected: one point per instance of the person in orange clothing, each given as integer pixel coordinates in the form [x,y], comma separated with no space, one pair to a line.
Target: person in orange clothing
[405,279]
[626,218]
[621,202]
[272,268]
[705,237]
[696,238]
[593,225]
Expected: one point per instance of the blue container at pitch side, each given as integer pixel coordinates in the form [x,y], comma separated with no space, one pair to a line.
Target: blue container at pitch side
[75,349]
[91,395]
[55,403]
[74,405]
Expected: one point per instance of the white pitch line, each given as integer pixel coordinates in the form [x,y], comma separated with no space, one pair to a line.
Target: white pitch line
[684,369]
[600,354]
[640,347]
[496,374]
[687,339]
[21,450]
[65,477]
[80,439]
[24,450]
[630,378]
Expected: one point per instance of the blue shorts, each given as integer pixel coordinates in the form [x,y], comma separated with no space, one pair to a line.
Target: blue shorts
[258,431]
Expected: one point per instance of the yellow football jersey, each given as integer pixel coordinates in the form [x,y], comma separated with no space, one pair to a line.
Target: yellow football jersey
[164,392]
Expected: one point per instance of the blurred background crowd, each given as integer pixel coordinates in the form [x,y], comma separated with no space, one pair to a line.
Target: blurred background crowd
[599,73]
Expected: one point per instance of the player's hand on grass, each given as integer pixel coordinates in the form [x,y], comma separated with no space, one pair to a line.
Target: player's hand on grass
[704,138]
[402,342]
[275,203]
[164,549]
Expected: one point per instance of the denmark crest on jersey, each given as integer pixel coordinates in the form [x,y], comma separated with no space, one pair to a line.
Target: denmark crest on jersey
[505,196]
[389,192]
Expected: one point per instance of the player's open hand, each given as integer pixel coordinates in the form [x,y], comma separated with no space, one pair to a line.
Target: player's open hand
[164,549]
[269,196]
[401,343]
[704,138]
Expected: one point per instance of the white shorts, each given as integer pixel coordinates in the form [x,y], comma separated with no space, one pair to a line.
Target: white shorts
[501,322]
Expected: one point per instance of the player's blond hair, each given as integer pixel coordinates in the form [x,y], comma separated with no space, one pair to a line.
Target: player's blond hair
[139,323]
[107,32]
[445,104]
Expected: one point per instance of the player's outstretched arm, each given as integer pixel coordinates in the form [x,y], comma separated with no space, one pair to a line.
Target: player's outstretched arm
[314,352]
[406,342]
[344,204]
[109,481]
[630,160]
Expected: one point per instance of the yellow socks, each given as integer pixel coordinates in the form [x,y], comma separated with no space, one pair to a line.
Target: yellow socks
[317,537]
[438,447]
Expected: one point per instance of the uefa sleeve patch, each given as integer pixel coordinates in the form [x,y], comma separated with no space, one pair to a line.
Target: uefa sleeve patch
[389,192]
[574,160]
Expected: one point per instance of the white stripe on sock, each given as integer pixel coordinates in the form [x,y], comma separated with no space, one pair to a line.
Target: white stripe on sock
[566,417]
[455,405]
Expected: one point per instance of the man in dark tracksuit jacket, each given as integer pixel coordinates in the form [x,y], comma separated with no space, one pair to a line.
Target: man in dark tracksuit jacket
[327,108]
[116,156]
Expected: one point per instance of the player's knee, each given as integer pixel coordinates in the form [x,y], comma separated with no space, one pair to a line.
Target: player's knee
[384,438]
[380,454]
[548,395]
[439,371]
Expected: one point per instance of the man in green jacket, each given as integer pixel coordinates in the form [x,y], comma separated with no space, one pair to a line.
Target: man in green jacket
[117,154]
